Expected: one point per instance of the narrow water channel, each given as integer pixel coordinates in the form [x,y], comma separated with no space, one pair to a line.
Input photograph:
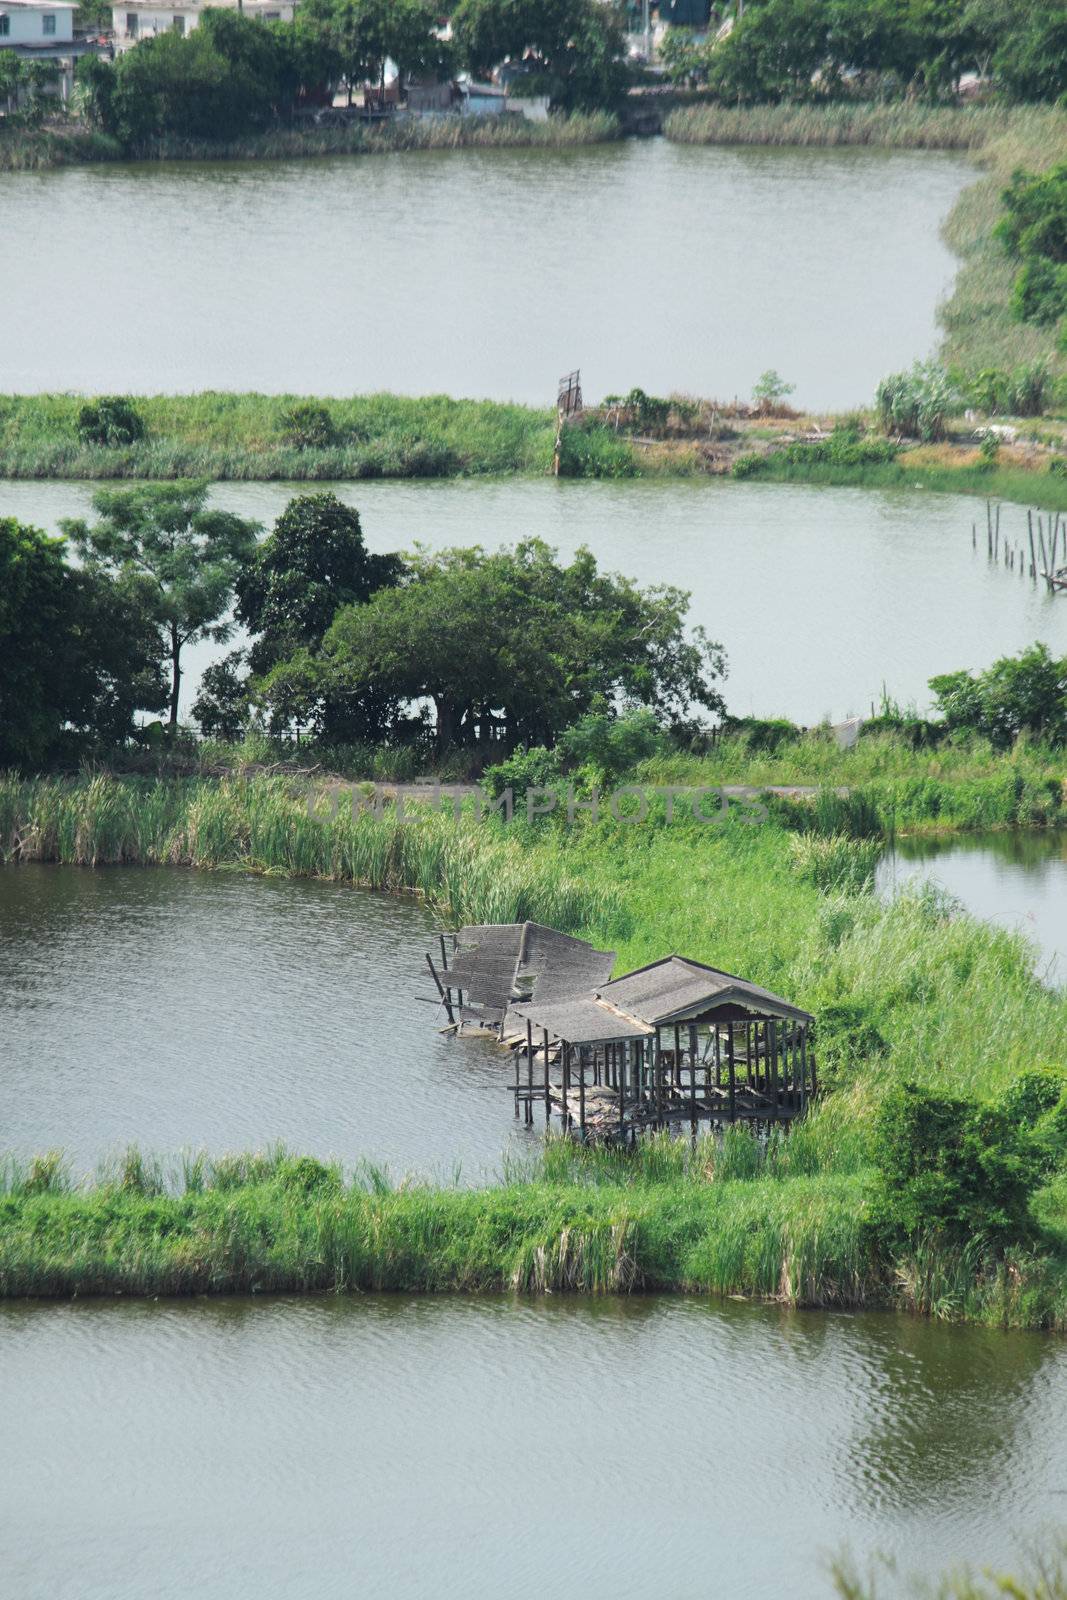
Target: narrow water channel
[1014,879]
[404,1449]
[856,590]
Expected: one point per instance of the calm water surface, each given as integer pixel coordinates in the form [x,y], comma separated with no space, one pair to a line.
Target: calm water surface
[175,1009]
[412,1449]
[820,596]
[1016,880]
[480,273]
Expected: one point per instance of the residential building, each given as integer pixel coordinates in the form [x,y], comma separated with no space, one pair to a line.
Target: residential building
[43,30]
[140,19]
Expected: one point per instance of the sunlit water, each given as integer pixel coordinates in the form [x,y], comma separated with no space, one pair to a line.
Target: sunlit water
[176,1009]
[244,1450]
[1016,880]
[480,273]
[821,596]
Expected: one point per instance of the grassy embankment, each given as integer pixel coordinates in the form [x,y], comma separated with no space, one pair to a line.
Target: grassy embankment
[243,436]
[219,436]
[911,990]
[36,149]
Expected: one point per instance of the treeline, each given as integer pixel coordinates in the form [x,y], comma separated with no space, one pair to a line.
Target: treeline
[508,657]
[507,647]
[822,49]
[231,76]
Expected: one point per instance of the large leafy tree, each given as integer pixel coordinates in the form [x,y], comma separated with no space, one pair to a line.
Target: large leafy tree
[579,45]
[312,564]
[77,652]
[515,637]
[172,554]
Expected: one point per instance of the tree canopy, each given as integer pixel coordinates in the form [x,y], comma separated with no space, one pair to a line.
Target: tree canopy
[77,653]
[313,563]
[578,45]
[516,638]
[1019,694]
[172,555]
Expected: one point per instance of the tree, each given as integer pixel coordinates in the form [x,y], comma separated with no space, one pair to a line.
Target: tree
[1034,232]
[1026,693]
[222,706]
[1031,63]
[515,639]
[775,52]
[312,564]
[177,557]
[76,652]
[229,76]
[578,45]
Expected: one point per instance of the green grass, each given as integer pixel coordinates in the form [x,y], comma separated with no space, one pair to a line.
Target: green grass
[216,435]
[271,1223]
[1037,488]
[953,1000]
[35,149]
[908,991]
[719,1217]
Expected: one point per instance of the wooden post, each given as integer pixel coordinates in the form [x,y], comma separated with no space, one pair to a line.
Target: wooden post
[564,1077]
[581,1086]
[772,1063]
[621,1085]
[548,1083]
[657,1077]
[988,531]
[1030,532]
[446,1000]
[730,1070]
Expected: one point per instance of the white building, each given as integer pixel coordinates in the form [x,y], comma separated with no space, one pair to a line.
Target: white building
[140,19]
[43,30]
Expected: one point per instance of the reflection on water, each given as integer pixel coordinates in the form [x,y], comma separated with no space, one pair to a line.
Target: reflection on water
[1014,878]
[177,1009]
[686,269]
[414,1448]
[857,590]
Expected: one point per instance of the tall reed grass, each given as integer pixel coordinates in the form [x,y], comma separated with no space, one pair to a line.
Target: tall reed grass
[238,436]
[39,148]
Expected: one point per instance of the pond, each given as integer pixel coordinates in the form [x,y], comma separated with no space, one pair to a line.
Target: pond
[480,273]
[175,1009]
[1016,880]
[405,1449]
[821,596]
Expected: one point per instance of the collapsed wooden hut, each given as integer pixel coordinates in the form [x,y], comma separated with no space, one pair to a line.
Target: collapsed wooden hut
[675,1041]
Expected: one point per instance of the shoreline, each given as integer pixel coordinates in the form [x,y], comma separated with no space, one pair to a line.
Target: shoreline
[778,1221]
[221,436]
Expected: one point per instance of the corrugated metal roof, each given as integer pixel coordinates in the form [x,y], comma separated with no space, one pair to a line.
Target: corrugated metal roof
[495,963]
[524,972]
[583,1019]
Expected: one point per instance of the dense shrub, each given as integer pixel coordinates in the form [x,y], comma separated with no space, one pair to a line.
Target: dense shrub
[309,426]
[951,1170]
[111,420]
[1034,233]
[537,768]
[1027,391]
[1026,693]
[595,452]
[918,403]
[840,451]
